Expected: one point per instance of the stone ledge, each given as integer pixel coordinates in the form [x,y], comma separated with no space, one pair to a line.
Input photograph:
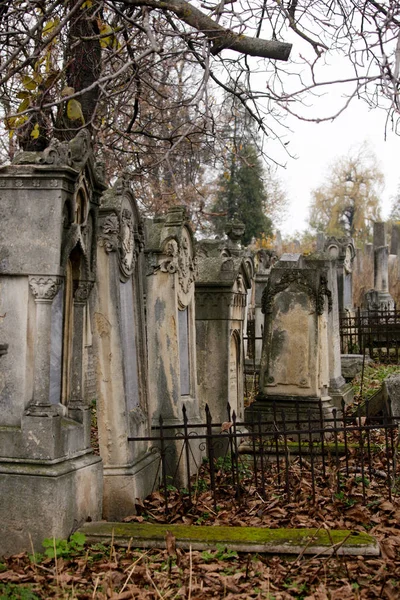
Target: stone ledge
[241,539]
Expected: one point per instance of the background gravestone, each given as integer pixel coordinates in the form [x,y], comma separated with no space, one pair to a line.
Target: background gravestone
[294,370]
[221,296]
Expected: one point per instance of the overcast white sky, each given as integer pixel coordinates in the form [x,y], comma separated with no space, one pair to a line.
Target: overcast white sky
[317,146]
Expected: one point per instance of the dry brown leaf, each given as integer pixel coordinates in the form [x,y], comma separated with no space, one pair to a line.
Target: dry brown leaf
[226,426]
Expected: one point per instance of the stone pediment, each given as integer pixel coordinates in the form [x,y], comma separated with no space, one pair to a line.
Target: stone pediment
[76,154]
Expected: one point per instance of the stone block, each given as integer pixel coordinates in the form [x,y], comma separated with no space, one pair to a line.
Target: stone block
[40,501]
[391,390]
[352,364]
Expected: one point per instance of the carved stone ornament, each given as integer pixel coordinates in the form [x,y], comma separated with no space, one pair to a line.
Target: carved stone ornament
[45,288]
[127,255]
[184,264]
[110,233]
[304,281]
[82,291]
[118,234]
[348,259]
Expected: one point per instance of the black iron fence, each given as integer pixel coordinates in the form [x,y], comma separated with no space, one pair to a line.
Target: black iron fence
[376,333]
[344,455]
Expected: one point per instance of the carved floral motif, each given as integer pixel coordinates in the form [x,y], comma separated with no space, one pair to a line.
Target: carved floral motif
[44,288]
[119,234]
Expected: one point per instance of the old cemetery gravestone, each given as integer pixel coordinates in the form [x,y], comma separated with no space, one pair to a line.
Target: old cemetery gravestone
[379,297]
[264,260]
[294,370]
[171,272]
[224,277]
[339,255]
[50,480]
[121,354]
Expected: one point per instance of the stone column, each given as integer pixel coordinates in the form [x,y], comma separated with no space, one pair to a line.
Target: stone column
[44,290]
[81,296]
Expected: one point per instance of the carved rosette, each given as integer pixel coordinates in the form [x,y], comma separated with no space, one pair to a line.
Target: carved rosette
[45,288]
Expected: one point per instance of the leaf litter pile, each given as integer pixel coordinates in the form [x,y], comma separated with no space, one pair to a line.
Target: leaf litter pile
[73,569]
[354,501]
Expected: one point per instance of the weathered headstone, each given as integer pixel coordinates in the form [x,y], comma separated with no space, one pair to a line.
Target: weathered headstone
[340,254]
[294,371]
[170,311]
[48,207]
[379,298]
[221,296]
[121,355]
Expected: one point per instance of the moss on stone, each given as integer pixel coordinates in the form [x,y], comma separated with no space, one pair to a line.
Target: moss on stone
[248,536]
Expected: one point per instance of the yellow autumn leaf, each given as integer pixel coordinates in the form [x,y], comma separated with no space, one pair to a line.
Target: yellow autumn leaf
[74,110]
[24,105]
[29,83]
[50,26]
[107,37]
[87,4]
[67,91]
[35,132]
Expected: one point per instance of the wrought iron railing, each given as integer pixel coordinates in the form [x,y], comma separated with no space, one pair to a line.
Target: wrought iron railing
[376,333]
[345,454]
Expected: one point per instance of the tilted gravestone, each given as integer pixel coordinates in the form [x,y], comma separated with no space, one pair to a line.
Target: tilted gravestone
[121,354]
[50,480]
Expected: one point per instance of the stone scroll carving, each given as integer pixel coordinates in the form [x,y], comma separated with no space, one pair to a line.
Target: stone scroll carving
[181,261]
[120,231]
[304,281]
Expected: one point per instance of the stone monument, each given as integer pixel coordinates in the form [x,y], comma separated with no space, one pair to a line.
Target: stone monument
[171,270]
[121,354]
[50,479]
[294,370]
[221,293]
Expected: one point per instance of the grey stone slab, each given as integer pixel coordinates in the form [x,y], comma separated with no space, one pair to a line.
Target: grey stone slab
[242,539]
[129,350]
[56,346]
[184,367]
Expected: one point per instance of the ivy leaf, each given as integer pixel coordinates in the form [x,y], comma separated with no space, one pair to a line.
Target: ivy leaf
[74,110]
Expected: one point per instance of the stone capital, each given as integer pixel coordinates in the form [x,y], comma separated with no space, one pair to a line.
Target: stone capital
[45,288]
[82,291]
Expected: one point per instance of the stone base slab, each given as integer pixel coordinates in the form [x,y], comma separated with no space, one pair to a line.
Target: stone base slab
[298,412]
[343,394]
[240,539]
[39,501]
[124,485]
